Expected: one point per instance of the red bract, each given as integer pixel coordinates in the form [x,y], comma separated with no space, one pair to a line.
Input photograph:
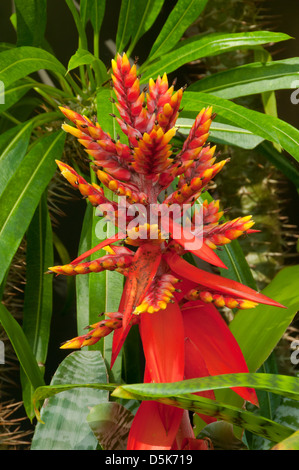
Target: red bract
[183,334]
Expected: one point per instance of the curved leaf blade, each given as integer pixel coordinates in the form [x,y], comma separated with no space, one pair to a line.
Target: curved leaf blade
[281,384]
[21,347]
[111,423]
[271,321]
[212,44]
[30,14]
[250,79]
[268,127]
[37,310]
[22,61]
[23,193]
[13,148]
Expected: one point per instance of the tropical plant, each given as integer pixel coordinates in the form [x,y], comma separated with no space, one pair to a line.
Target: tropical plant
[127,130]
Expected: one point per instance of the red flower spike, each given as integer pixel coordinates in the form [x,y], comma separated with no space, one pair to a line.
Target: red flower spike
[110,263]
[183,334]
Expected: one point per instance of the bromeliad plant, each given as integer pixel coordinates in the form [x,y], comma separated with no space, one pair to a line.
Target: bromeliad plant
[172,291]
[183,335]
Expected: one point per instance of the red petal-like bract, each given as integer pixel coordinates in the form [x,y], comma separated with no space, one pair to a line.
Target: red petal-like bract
[219,351]
[215,282]
[162,337]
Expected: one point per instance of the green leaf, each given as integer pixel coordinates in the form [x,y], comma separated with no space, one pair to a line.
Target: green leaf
[38,289]
[13,148]
[110,423]
[271,321]
[81,57]
[84,57]
[37,311]
[97,11]
[250,79]
[198,47]
[256,424]
[184,13]
[221,133]
[22,61]
[125,24]
[64,416]
[268,127]
[281,384]
[46,391]
[90,289]
[21,347]
[23,193]
[278,159]
[31,22]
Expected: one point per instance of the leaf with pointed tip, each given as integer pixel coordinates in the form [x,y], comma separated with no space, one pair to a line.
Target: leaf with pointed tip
[268,127]
[280,384]
[23,193]
[37,311]
[197,47]
[250,79]
[227,286]
[184,13]
[31,22]
[258,425]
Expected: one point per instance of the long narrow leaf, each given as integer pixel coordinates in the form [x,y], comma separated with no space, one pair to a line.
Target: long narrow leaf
[270,128]
[13,148]
[243,419]
[21,347]
[23,193]
[38,290]
[31,22]
[146,12]
[281,384]
[198,47]
[184,13]
[256,424]
[19,62]
[250,79]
